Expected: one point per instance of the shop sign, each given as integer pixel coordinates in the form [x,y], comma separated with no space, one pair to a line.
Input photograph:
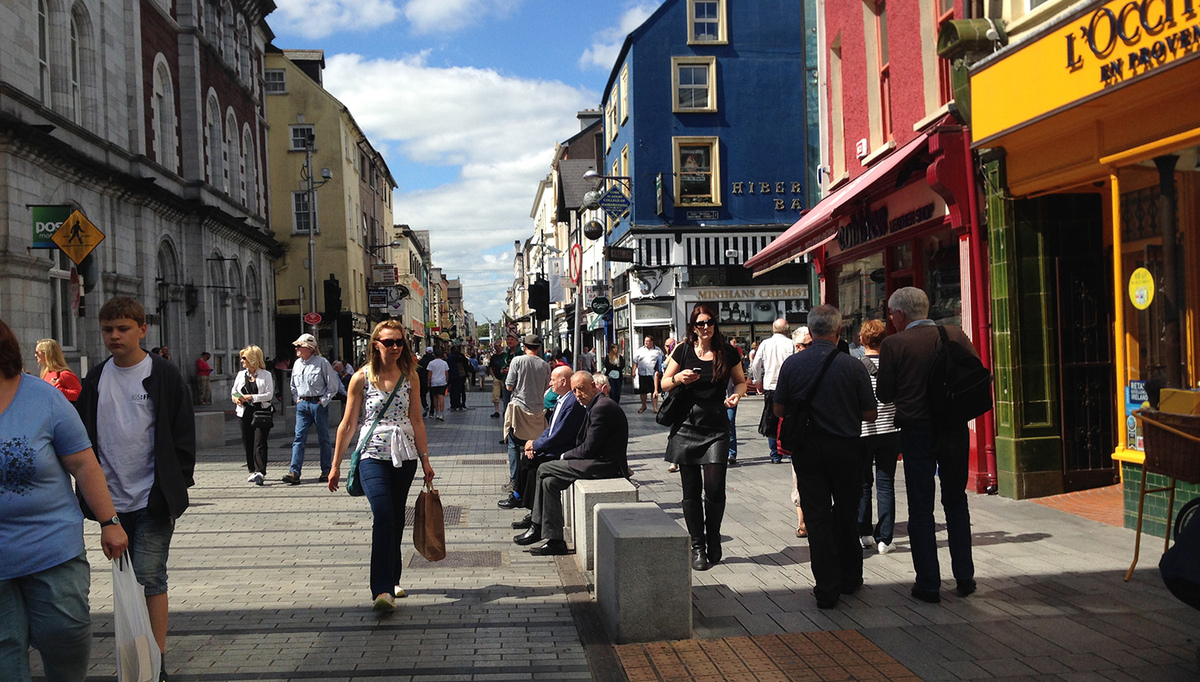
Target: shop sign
[867,225]
[777,191]
[46,221]
[600,305]
[384,274]
[621,301]
[1141,288]
[1099,49]
[702,215]
[763,312]
[377,297]
[751,293]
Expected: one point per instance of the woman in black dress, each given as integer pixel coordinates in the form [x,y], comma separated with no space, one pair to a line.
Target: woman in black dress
[699,443]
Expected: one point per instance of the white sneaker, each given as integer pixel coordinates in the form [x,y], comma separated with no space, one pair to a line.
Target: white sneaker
[866,541]
[885,548]
[385,602]
[400,593]
[250,479]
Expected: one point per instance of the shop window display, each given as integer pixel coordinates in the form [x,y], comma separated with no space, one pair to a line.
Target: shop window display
[943,283]
[862,294]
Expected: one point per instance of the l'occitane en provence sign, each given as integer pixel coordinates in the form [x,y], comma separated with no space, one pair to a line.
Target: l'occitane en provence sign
[1097,49]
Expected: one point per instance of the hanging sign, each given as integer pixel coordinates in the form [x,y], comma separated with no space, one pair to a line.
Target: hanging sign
[1141,288]
[77,236]
[46,221]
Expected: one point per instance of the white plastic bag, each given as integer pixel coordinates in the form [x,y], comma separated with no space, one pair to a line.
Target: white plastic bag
[138,657]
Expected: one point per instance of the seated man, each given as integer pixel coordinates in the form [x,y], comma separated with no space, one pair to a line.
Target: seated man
[565,420]
[599,452]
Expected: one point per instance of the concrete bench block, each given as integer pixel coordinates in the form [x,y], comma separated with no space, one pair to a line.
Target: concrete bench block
[568,507]
[210,430]
[643,574]
[587,494]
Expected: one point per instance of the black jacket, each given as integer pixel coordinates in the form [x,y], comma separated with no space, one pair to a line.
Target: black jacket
[602,445]
[174,434]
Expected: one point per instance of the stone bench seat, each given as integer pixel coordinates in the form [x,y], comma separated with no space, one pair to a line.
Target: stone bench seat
[586,494]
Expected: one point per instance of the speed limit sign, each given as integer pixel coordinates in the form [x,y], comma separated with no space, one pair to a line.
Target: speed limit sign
[576,264]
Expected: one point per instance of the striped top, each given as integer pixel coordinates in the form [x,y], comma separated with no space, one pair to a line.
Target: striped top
[885,422]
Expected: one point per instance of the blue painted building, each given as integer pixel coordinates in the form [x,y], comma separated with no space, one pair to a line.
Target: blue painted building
[710,120]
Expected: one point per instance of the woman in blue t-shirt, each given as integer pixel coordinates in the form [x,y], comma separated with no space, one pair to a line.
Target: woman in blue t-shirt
[44,573]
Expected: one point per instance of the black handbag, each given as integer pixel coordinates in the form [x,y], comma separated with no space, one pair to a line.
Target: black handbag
[675,407]
[263,417]
[796,424]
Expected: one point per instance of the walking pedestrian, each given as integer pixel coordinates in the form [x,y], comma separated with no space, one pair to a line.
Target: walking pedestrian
[44,573]
[881,449]
[645,360]
[423,373]
[827,457]
[383,391]
[138,412]
[439,379]
[252,390]
[314,384]
[699,443]
[457,379]
[203,379]
[768,360]
[930,447]
[54,370]
[614,369]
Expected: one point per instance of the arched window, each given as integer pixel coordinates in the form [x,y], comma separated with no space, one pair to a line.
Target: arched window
[43,53]
[76,92]
[242,50]
[254,308]
[212,20]
[167,278]
[227,38]
[213,141]
[219,300]
[230,156]
[249,189]
[163,104]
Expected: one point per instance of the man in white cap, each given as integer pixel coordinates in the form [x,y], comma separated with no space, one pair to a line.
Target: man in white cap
[314,383]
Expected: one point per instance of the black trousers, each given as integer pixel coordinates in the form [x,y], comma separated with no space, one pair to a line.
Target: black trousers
[255,442]
[829,479]
[526,483]
[553,478]
[458,393]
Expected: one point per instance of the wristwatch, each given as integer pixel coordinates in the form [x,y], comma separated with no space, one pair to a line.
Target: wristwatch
[114,521]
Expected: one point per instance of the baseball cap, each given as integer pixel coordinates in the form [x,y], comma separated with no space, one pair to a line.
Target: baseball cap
[306,340]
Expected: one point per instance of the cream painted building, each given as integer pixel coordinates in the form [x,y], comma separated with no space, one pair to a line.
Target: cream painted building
[352,206]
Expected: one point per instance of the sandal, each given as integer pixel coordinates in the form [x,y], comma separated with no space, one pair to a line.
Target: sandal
[642,409]
[801,532]
[673,468]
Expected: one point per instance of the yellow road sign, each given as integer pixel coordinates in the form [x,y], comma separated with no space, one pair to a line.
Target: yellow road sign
[77,236]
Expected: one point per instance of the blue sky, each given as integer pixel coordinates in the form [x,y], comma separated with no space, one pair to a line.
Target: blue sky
[466,99]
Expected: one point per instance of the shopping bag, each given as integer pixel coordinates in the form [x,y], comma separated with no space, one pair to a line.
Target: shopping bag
[429,529]
[138,657]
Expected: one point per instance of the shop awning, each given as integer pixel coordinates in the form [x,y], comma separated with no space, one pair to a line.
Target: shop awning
[820,225]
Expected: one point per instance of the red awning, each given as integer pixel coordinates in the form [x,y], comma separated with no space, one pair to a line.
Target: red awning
[820,225]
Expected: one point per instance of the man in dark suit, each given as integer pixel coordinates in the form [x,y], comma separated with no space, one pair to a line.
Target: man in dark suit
[929,447]
[565,422]
[600,452]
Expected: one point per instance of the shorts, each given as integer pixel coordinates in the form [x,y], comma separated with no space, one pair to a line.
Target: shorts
[645,384]
[437,390]
[149,545]
[497,390]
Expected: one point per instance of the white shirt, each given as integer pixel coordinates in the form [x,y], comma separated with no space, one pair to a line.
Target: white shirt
[125,434]
[438,372]
[262,379]
[647,360]
[769,358]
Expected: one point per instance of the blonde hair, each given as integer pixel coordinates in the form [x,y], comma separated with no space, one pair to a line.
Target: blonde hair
[55,362]
[405,362]
[254,357]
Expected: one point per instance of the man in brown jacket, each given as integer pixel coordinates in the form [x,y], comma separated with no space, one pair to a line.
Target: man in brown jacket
[929,447]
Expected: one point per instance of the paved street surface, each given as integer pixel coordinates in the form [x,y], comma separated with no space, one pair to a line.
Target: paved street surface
[270,584]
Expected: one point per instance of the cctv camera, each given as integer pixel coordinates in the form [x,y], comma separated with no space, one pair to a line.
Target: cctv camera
[326,173]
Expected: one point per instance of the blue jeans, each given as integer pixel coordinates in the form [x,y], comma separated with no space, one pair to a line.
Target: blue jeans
[732,412]
[944,452]
[516,447]
[386,488]
[773,445]
[306,414]
[48,609]
[879,465]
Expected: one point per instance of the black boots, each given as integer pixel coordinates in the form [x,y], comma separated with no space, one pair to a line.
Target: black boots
[693,516]
[714,513]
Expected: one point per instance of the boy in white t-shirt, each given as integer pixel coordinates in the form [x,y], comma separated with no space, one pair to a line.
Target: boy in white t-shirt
[138,413]
[439,378]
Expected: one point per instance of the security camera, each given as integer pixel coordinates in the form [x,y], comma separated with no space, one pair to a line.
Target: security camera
[326,173]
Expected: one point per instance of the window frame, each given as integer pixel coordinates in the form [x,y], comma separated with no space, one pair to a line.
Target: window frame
[945,84]
[292,129]
[714,144]
[76,90]
[43,55]
[710,66]
[610,123]
[311,213]
[624,94]
[268,83]
[64,324]
[884,69]
[721,21]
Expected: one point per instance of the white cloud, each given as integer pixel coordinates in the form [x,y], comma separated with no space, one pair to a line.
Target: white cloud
[499,130]
[440,16]
[606,44]
[320,18]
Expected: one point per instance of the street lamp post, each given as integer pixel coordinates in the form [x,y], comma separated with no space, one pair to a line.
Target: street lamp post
[592,202]
[309,147]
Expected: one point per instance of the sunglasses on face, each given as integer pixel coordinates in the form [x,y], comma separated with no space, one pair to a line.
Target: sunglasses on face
[704,323]
[388,343]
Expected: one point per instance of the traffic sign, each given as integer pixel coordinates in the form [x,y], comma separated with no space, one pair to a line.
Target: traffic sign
[77,236]
[576,263]
[312,318]
[601,305]
[614,202]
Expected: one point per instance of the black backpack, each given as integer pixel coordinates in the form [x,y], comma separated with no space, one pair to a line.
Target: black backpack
[960,387]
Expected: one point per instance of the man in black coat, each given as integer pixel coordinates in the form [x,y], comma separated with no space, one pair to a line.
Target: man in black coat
[600,452]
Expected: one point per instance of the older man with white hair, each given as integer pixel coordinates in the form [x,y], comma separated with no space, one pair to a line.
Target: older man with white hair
[768,360]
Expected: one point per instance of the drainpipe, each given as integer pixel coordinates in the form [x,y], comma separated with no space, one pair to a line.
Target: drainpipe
[982,310]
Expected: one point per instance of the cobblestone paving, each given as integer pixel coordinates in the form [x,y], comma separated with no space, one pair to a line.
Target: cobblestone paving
[270,584]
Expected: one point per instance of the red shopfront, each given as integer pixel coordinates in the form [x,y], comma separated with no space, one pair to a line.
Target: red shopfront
[909,220]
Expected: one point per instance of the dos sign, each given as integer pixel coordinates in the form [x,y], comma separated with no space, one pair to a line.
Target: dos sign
[46,221]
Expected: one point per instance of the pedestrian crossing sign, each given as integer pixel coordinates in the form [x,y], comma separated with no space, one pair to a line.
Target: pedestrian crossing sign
[77,236]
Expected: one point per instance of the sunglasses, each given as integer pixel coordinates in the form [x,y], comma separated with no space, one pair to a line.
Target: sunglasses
[388,343]
[704,323]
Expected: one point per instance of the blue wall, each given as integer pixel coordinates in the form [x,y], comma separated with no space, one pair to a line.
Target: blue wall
[760,119]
